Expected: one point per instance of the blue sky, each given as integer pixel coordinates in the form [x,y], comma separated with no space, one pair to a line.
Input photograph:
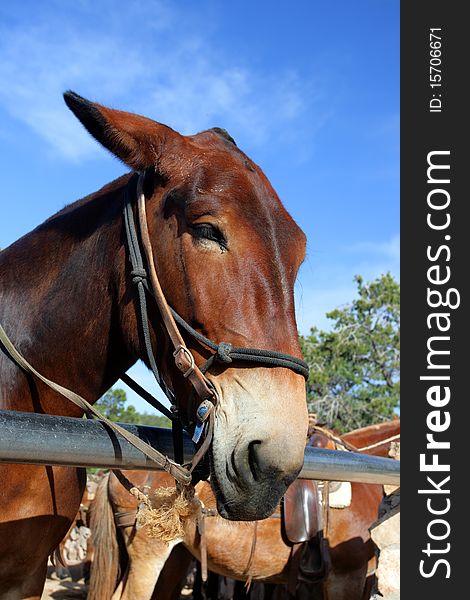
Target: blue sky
[308,89]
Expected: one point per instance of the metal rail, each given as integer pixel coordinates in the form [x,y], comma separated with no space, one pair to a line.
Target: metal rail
[31,438]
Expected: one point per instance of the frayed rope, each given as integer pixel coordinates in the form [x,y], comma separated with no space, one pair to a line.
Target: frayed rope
[163,512]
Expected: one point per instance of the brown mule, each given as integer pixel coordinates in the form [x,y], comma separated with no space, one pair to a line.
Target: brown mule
[226,254]
[230,545]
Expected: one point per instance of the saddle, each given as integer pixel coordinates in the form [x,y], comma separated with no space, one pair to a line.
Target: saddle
[303,523]
[305,513]
[301,511]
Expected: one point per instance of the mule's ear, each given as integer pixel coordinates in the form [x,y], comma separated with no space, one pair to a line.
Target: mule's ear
[137,141]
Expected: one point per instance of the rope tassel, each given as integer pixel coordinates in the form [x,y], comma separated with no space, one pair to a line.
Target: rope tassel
[164,511]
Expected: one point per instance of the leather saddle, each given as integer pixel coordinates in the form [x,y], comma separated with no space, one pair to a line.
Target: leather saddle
[301,511]
[303,527]
[303,524]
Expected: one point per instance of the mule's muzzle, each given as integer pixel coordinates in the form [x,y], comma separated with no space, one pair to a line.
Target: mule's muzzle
[253,504]
[246,492]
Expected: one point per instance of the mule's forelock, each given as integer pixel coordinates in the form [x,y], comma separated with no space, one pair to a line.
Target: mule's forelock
[137,141]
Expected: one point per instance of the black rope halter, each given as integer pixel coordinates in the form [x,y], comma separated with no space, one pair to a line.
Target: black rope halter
[226,353]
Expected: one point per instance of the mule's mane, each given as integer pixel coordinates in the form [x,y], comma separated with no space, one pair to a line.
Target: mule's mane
[103,192]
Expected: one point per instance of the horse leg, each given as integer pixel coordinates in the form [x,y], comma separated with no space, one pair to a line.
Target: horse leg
[346,586]
[241,592]
[147,557]
[173,575]
[29,588]
[38,505]
[368,587]
[276,591]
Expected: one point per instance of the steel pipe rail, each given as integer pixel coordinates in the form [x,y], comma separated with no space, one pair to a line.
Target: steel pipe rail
[337,465]
[31,438]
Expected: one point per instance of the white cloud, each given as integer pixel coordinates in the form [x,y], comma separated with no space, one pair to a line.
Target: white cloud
[184,83]
[387,251]
[39,67]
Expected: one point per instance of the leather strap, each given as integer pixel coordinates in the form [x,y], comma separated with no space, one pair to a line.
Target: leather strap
[201,527]
[251,558]
[125,518]
[184,360]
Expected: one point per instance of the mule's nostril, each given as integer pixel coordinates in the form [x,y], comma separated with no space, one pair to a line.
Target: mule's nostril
[228,473]
[235,474]
[269,460]
[252,459]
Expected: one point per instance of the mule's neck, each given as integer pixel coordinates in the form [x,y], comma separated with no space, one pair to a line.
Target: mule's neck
[65,304]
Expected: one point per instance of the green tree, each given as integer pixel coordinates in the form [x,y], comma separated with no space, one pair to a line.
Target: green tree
[113,405]
[354,368]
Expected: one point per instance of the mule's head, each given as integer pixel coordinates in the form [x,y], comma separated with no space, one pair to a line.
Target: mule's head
[227,255]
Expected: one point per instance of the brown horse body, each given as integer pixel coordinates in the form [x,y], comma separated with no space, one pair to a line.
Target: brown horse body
[374,439]
[230,545]
[226,253]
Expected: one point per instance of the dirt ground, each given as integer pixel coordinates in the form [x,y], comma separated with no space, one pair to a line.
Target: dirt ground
[70,588]
[73,587]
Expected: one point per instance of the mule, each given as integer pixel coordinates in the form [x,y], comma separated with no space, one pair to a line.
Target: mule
[226,254]
[131,565]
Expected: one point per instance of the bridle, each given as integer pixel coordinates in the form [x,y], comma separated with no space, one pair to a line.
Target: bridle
[144,276]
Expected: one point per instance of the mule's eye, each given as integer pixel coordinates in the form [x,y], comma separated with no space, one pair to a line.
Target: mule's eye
[207,231]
